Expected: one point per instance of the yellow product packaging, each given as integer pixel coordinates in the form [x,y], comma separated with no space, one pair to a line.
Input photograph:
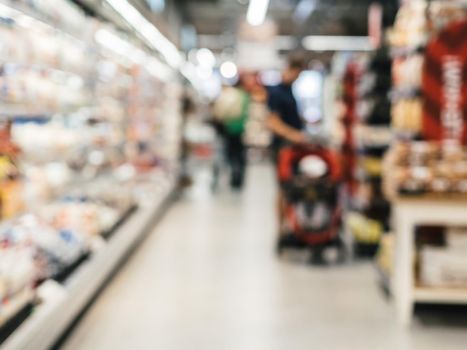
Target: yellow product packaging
[11,201]
[373,166]
[365,230]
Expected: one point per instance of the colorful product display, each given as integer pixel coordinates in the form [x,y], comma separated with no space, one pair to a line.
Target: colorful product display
[79,118]
[424,167]
[441,258]
[428,50]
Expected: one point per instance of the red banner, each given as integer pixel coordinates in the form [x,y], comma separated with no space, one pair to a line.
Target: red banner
[444,86]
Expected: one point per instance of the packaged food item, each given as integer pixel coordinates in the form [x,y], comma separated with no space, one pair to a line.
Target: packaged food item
[444,268]
[426,167]
[410,27]
[407,115]
[407,72]
[365,230]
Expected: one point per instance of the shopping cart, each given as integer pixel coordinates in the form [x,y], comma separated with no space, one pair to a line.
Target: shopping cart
[310,179]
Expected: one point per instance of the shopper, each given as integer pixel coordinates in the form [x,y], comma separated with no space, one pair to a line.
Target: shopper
[284,119]
[231,110]
[188,108]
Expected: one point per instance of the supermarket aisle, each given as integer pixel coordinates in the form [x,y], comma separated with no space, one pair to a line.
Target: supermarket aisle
[207,279]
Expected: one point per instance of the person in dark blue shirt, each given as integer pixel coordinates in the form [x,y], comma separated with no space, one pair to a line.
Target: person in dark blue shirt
[284,119]
[285,122]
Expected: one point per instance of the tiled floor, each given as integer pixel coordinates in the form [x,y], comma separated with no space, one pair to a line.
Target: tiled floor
[207,278]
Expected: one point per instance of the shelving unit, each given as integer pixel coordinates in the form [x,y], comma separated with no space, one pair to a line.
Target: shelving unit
[409,213]
[84,119]
[61,304]
[372,136]
[440,295]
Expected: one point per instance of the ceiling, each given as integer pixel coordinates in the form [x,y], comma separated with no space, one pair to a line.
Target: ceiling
[216,22]
[330,17]
[222,17]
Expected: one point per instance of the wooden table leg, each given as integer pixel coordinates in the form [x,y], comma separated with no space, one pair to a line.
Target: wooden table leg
[403,271]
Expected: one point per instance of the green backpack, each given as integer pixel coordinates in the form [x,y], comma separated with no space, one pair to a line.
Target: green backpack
[236,125]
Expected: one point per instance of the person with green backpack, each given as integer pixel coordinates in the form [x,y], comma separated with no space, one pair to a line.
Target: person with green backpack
[231,110]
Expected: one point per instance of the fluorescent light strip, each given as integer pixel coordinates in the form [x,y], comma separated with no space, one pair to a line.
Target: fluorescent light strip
[188,70]
[148,31]
[257,11]
[337,43]
[123,48]
[114,43]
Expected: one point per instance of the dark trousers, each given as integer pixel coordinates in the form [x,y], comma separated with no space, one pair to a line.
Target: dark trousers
[236,157]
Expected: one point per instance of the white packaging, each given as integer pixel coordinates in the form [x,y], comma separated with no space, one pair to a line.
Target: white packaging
[442,267]
[456,238]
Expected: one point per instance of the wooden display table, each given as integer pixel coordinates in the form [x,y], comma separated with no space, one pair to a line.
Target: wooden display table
[408,213]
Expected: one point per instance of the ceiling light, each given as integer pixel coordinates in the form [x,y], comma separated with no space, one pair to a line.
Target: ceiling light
[188,70]
[229,70]
[112,42]
[257,11]
[148,31]
[123,48]
[204,72]
[205,58]
[159,69]
[156,5]
[337,43]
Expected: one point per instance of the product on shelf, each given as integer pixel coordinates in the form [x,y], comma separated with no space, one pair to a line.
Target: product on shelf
[89,218]
[11,202]
[87,132]
[407,115]
[372,134]
[443,267]
[18,272]
[407,72]
[410,27]
[365,230]
[424,167]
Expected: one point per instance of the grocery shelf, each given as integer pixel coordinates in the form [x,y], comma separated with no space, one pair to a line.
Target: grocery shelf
[22,111]
[440,295]
[408,214]
[62,304]
[12,307]
[15,7]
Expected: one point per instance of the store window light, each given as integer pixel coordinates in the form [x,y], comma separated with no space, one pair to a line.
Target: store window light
[229,70]
[257,11]
[148,31]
